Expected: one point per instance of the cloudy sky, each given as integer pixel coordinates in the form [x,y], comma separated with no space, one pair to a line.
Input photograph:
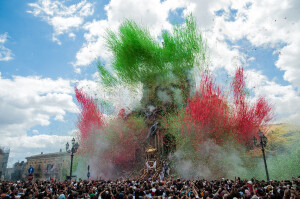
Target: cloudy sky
[49,46]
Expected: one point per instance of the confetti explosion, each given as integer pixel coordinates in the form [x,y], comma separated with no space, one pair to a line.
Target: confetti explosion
[202,133]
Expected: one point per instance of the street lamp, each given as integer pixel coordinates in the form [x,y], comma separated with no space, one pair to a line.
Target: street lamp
[73,150]
[262,143]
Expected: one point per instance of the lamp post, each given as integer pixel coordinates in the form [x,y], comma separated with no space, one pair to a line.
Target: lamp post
[262,143]
[73,150]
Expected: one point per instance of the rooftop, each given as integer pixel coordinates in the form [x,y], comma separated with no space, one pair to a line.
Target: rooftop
[47,155]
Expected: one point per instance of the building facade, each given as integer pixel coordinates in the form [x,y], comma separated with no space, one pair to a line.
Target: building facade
[49,166]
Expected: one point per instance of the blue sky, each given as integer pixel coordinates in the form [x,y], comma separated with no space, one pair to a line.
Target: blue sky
[30,41]
[49,46]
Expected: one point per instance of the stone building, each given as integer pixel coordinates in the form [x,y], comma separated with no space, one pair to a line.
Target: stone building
[49,166]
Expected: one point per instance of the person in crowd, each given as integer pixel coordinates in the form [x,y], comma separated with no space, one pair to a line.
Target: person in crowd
[153,189]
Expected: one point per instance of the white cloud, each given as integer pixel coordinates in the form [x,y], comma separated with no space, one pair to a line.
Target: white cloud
[5,53]
[204,11]
[30,101]
[289,61]
[73,132]
[94,47]
[77,70]
[3,38]
[267,24]
[35,131]
[284,99]
[64,19]
[152,14]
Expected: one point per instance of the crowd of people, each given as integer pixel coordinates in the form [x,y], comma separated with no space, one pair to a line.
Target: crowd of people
[153,189]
